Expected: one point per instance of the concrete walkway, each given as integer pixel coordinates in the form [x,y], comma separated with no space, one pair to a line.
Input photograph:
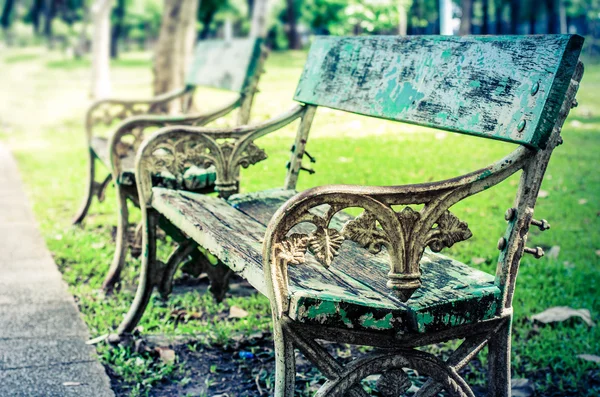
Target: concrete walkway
[42,336]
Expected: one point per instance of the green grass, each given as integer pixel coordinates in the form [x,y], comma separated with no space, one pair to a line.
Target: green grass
[349,149]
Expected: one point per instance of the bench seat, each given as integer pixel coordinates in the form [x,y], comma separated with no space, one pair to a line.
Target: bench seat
[352,292]
[196,178]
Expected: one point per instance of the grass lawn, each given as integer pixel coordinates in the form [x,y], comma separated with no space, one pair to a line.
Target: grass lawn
[41,118]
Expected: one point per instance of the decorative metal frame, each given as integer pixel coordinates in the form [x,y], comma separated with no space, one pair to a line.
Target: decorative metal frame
[404,234]
[174,150]
[136,117]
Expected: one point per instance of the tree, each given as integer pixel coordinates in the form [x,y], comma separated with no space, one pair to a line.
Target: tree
[466,20]
[175,45]
[117,28]
[34,14]
[260,13]
[515,13]
[206,14]
[6,13]
[557,16]
[403,7]
[292,28]
[485,27]
[49,11]
[100,13]
[446,17]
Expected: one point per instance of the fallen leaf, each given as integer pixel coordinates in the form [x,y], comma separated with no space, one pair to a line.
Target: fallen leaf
[522,387]
[543,194]
[582,201]
[589,357]
[237,312]
[563,313]
[553,252]
[477,261]
[71,384]
[166,355]
[98,245]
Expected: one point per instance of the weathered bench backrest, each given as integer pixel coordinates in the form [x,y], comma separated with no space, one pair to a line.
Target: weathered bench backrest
[500,87]
[228,65]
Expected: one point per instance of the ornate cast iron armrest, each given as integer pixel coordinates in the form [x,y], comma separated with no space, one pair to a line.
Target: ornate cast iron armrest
[176,149]
[121,143]
[109,110]
[404,234]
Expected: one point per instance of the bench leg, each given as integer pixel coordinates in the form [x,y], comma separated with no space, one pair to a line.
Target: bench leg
[114,273]
[148,276]
[499,362]
[91,181]
[285,362]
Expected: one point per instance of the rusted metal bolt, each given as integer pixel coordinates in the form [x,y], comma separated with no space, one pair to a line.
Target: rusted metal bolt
[510,213]
[521,125]
[537,252]
[501,243]
[543,224]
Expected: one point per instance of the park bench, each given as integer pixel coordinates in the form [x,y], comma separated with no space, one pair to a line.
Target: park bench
[232,65]
[377,279]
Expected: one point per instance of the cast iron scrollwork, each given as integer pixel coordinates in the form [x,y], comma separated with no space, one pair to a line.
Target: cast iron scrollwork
[405,234]
[178,154]
[325,242]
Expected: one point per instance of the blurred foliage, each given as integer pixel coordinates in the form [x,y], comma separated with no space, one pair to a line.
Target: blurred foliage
[138,21]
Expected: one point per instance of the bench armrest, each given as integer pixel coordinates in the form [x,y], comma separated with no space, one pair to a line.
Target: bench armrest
[107,111]
[130,134]
[404,234]
[176,149]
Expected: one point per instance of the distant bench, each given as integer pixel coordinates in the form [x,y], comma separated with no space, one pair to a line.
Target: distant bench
[233,65]
[376,279]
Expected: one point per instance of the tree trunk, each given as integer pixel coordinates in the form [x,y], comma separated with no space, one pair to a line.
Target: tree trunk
[174,47]
[499,18]
[260,13]
[402,18]
[6,11]
[49,8]
[532,17]
[467,17]
[446,17]
[562,15]
[206,21]
[117,28]
[228,29]
[515,13]
[292,32]
[100,13]
[485,28]
[557,17]
[34,14]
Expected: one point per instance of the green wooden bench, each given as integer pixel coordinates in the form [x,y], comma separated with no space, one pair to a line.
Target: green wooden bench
[377,279]
[234,65]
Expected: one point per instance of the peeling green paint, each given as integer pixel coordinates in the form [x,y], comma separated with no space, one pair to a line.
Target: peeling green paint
[368,321]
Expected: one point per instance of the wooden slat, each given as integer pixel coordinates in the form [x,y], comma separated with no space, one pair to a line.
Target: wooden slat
[352,292]
[479,85]
[227,65]
[450,288]
[237,241]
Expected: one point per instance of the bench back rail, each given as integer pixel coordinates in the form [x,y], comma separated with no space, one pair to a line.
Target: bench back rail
[508,87]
